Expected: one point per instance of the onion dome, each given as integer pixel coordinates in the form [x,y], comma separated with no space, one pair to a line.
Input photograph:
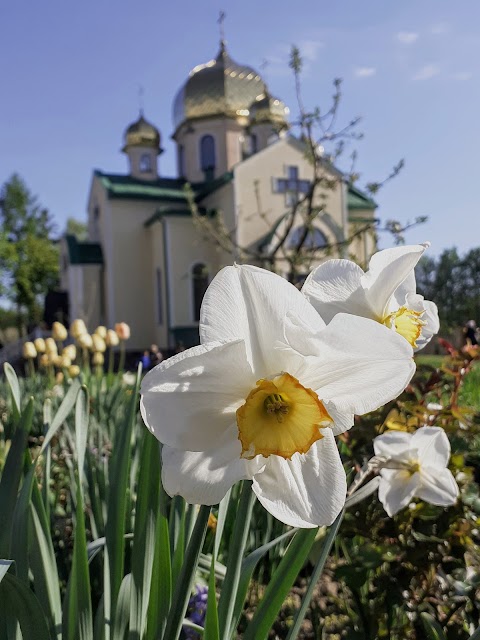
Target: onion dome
[266,108]
[221,87]
[142,133]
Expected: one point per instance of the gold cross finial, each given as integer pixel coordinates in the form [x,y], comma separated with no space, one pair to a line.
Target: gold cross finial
[141,95]
[221,23]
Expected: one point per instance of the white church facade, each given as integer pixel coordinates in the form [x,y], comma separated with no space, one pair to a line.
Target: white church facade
[146,261]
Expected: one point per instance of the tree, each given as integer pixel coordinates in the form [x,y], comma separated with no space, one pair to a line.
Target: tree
[77,228]
[28,255]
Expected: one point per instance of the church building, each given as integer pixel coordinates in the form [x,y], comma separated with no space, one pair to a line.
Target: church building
[148,261]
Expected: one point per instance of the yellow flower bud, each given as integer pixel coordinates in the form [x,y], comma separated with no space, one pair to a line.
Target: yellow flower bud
[85,341]
[39,345]
[101,331]
[73,370]
[59,377]
[57,361]
[59,332]
[44,360]
[29,351]
[70,351]
[98,343]
[122,330]
[98,358]
[78,328]
[51,346]
[65,362]
[112,338]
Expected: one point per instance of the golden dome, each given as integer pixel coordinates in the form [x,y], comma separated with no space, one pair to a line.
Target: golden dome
[142,133]
[219,87]
[266,108]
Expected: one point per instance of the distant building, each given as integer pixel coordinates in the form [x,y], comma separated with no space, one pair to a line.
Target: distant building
[146,262]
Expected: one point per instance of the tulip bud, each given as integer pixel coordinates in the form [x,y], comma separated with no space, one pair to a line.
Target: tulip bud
[85,341]
[98,358]
[70,351]
[59,332]
[59,377]
[112,338]
[122,330]
[78,328]
[73,370]
[44,360]
[39,345]
[51,346]
[29,351]
[57,360]
[98,343]
[65,362]
[101,331]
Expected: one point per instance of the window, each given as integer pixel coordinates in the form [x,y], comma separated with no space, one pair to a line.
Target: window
[207,155]
[145,163]
[254,143]
[181,160]
[199,286]
[291,186]
[315,238]
[159,296]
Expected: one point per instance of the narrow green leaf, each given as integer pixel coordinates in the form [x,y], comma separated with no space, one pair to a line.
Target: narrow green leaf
[236,550]
[212,629]
[143,551]
[222,515]
[280,584]
[20,603]
[4,567]
[431,627]
[62,414]
[81,429]
[11,476]
[47,419]
[122,611]
[177,534]
[476,635]
[12,380]
[183,587]
[317,572]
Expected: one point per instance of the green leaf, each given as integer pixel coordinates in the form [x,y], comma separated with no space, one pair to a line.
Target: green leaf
[280,584]
[183,587]
[431,627]
[122,611]
[143,550]
[4,567]
[81,428]
[12,380]
[212,629]
[18,602]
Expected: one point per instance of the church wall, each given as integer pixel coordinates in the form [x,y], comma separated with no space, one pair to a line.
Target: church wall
[223,201]
[159,284]
[91,310]
[130,270]
[363,246]
[261,170]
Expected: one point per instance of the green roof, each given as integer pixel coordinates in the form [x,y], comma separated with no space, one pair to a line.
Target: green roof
[83,252]
[356,199]
[166,189]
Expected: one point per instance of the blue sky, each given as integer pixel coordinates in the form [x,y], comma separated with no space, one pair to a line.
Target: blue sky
[71,71]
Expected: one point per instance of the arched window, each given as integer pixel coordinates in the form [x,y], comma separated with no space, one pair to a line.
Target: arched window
[145,163]
[315,238]
[199,286]
[207,155]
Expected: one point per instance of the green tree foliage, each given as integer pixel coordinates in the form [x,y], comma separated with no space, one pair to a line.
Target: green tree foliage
[28,255]
[77,228]
[453,281]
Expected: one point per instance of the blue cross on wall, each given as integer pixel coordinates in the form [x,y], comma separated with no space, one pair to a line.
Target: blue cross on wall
[291,185]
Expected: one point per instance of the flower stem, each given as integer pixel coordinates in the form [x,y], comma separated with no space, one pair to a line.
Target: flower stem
[236,550]
[317,572]
[121,362]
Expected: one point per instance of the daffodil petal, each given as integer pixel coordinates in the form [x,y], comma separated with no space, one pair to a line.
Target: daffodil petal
[393,444]
[433,447]
[204,477]
[356,363]
[437,487]
[189,400]
[432,323]
[387,270]
[335,287]
[308,490]
[397,491]
[406,288]
[251,303]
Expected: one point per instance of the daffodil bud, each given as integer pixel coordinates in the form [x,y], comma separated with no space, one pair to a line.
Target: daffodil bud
[29,351]
[73,371]
[98,358]
[112,338]
[51,346]
[85,341]
[59,332]
[78,328]
[122,330]
[70,351]
[98,343]
[101,331]
[39,345]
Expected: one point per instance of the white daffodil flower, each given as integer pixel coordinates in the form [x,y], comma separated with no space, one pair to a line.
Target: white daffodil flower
[263,395]
[416,466]
[385,293]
